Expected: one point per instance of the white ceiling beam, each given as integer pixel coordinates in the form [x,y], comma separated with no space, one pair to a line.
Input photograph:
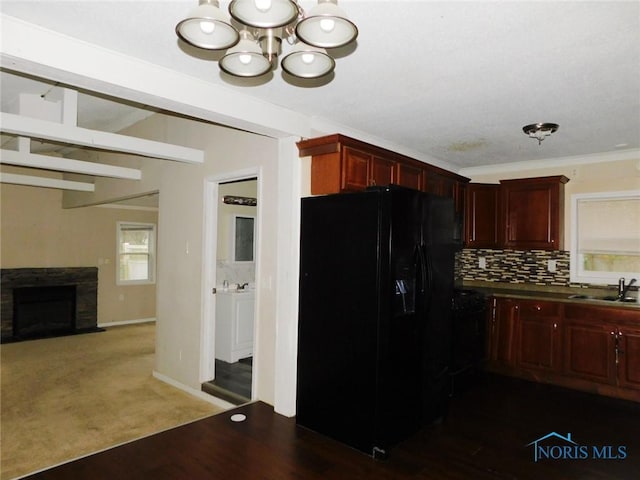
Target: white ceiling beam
[69,106]
[58,132]
[46,162]
[28,48]
[32,181]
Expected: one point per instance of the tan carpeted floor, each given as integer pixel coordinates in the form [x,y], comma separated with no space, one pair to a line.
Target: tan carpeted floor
[66,397]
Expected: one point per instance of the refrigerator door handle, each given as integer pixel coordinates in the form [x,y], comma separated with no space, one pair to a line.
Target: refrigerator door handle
[422,268]
[428,269]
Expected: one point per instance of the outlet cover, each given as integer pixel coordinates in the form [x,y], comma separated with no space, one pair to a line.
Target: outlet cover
[482,262]
[551,265]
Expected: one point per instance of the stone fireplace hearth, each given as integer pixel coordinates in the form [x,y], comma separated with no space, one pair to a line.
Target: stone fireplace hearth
[45,302]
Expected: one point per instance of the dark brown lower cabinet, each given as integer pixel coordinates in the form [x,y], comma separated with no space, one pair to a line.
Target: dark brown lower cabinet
[603,344]
[629,357]
[587,347]
[589,351]
[538,336]
[502,320]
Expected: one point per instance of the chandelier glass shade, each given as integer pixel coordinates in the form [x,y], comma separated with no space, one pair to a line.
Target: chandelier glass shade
[264,13]
[256,28]
[245,59]
[540,130]
[327,26]
[307,61]
[208,27]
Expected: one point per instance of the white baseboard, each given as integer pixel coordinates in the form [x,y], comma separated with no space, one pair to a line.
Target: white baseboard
[127,322]
[192,391]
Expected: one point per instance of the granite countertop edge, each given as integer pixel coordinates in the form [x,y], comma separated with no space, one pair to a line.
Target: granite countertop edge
[550,292]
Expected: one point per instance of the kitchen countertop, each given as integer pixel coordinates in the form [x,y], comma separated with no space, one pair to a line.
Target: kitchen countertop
[551,293]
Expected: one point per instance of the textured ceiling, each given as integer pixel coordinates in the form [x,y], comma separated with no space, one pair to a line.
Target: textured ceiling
[453,80]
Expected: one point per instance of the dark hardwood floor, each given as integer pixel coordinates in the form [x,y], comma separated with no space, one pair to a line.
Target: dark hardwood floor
[484,436]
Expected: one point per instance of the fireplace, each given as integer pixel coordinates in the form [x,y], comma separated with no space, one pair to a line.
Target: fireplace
[44,311]
[45,302]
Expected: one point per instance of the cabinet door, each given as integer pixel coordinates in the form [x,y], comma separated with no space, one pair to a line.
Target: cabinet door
[628,357]
[243,323]
[460,197]
[355,170]
[531,214]
[589,350]
[439,184]
[409,176]
[538,334]
[501,331]
[382,171]
[459,194]
[481,216]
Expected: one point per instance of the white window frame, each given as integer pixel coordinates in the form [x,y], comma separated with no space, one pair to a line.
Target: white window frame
[151,255]
[577,275]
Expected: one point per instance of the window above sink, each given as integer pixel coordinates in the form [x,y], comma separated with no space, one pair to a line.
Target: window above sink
[605,239]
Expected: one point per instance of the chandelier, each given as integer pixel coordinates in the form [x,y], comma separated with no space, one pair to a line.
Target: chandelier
[540,130]
[252,35]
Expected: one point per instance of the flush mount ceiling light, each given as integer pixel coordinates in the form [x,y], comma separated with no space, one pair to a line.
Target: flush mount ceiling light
[256,28]
[540,130]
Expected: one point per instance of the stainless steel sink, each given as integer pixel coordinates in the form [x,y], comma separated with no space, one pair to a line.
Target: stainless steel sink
[628,299]
[608,298]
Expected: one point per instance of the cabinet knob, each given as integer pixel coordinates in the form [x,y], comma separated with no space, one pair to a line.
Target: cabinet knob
[538,307]
[555,326]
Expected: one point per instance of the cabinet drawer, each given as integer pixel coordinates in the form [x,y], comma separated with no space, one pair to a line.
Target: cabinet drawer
[535,309]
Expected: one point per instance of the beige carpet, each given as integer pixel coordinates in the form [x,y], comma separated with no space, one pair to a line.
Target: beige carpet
[70,396]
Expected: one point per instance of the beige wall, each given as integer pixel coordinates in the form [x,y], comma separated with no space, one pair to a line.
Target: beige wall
[181,267]
[587,178]
[37,232]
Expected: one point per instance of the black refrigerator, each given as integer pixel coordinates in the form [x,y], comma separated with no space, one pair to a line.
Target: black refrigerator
[376,286]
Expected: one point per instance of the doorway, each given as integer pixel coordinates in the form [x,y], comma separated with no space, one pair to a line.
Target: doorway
[232,243]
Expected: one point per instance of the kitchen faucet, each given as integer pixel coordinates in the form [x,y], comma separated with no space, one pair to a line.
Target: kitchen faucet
[242,285]
[622,289]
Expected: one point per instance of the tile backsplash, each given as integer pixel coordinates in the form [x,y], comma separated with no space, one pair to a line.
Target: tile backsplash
[514,266]
[232,272]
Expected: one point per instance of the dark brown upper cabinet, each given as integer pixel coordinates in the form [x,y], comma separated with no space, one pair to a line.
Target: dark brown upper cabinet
[481,223]
[533,212]
[342,164]
[521,214]
[409,176]
[382,171]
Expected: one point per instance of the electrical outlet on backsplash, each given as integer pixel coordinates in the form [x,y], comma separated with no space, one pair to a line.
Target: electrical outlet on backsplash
[537,267]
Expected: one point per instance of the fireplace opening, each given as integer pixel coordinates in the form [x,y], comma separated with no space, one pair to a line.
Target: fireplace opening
[44,311]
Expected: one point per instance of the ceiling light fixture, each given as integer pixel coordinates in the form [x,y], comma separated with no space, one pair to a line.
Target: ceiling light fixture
[253,35]
[540,130]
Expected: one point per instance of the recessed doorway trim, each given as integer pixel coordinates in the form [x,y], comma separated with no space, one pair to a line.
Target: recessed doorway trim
[210,241]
